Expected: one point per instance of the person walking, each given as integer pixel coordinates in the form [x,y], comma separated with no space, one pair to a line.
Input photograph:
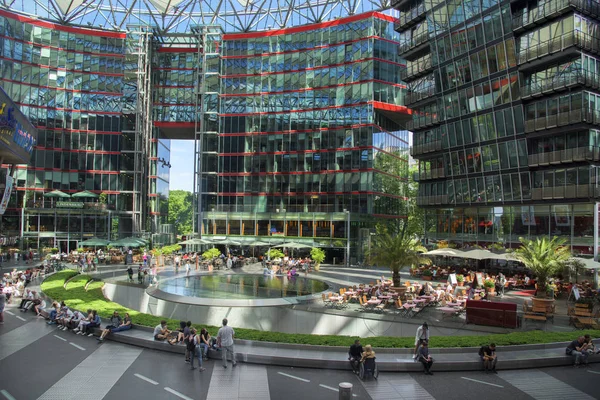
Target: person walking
[421,336]
[225,342]
[130,273]
[195,350]
[2,304]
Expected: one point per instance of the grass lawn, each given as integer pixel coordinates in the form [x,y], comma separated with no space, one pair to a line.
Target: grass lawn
[76,296]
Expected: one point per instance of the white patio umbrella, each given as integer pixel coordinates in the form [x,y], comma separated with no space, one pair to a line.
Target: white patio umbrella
[445,252]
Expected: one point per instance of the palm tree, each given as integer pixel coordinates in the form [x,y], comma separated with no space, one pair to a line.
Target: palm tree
[544,257]
[396,251]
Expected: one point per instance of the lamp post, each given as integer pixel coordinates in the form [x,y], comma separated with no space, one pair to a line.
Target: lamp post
[347,237]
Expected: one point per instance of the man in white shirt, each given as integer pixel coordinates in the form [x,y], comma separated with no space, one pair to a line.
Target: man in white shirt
[421,336]
[225,341]
[63,322]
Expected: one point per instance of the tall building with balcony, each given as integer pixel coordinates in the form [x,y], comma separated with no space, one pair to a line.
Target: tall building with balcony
[298,132]
[506,116]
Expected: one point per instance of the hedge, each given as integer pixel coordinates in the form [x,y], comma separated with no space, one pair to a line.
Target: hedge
[76,296]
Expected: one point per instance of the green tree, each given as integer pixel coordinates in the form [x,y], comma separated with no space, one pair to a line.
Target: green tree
[181,212]
[395,250]
[544,257]
[416,215]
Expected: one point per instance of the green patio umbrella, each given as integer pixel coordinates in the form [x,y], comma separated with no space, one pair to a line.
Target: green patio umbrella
[256,243]
[94,242]
[57,194]
[196,241]
[294,245]
[127,242]
[84,195]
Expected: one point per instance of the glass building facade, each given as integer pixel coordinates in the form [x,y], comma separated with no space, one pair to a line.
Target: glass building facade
[78,87]
[299,132]
[506,116]
[306,144]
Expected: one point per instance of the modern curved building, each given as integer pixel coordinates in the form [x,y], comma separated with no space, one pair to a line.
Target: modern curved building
[298,127]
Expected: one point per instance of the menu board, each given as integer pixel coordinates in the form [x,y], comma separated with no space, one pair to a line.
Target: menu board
[479,278]
[452,279]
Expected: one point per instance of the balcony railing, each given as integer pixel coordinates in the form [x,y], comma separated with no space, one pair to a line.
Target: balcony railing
[553,9]
[410,17]
[560,82]
[416,41]
[580,191]
[565,156]
[250,209]
[559,44]
[422,121]
[435,173]
[413,97]
[417,68]
[426,148]
[432,200]
[562,119]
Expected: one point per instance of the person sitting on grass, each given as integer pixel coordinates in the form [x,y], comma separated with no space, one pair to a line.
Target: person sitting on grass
[94,323]
[84,321]
[488,356]
[123,326]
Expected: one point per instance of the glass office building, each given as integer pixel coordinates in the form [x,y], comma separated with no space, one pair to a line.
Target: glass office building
[506,116]
[298,132]
[80,88]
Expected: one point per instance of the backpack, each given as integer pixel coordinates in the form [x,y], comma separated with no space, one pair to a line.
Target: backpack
[190,344]
[481,351]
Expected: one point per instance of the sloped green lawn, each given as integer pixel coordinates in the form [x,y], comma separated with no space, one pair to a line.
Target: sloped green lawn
[76,296]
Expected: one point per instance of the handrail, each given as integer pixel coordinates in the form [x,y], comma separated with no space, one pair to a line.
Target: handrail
[569,39]
[523,18]
[561,81]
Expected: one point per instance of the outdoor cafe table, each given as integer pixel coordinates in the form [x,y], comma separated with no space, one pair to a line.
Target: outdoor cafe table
[374,302]
[457,304]
[385,297]
[419,301]
[426,297]
[350,292]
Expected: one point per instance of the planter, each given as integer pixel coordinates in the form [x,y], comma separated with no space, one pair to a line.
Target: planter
[490,290]
[462,283]
[427,277]
[548,304]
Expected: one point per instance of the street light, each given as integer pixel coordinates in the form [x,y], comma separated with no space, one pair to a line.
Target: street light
[347,237]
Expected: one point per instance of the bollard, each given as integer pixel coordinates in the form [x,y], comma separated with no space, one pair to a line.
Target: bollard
[345,391]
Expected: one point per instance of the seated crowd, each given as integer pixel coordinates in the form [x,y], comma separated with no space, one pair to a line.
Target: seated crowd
[197,342]
[286,266]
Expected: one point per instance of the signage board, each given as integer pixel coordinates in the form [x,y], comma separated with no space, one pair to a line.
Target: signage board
[452,279]
[17,136]
[68,204]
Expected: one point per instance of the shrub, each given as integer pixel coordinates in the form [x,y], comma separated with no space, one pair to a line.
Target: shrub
[427,272]
[489,283]
[211,253]
[460,278]
[317,255]
[274,253]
